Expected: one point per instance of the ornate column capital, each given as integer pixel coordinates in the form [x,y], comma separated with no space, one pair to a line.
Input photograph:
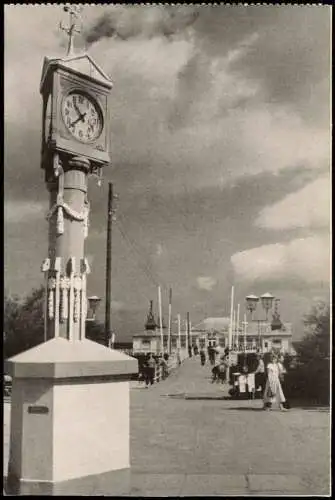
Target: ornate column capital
[80,163]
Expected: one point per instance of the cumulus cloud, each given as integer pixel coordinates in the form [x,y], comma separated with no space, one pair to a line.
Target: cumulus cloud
[306,260]
[309,207]
[202,98]
[181,98]
[206,283]
[127,22]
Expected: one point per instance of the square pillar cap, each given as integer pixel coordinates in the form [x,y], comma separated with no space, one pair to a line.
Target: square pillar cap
[61,358]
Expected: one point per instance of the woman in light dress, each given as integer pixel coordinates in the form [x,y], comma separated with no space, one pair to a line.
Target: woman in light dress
[273,393]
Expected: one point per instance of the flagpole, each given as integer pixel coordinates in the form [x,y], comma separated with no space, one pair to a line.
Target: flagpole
[188,332]
[179,332]
[191,336]
[238,323]
[245,333]
[230,329]
[160,318]
[170,322]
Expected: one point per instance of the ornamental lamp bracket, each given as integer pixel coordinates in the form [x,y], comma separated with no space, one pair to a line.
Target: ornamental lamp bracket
[93,303]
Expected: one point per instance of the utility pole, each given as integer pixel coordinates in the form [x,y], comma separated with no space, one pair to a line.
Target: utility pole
[108,308]
[188,335]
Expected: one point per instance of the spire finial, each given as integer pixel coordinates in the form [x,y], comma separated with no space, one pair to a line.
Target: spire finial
[74,11]
[151,323]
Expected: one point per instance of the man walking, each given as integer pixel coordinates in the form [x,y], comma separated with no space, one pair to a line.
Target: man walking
[150,370]
[260,376]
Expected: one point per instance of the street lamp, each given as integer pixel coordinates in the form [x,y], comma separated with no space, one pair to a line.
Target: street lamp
[267,300]
[93,303]
[252,301]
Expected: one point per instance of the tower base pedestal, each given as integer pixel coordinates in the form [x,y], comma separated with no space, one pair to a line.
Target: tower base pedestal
[70,420]
[112,483]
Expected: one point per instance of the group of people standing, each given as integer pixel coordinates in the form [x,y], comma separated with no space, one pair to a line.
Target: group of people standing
[220,364]
[269,378]
[148,368]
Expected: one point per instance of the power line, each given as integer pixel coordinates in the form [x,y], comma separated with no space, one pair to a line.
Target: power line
[126,239]
[127,245]
[143,259]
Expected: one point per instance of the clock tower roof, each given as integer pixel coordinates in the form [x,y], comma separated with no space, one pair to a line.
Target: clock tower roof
[76,63]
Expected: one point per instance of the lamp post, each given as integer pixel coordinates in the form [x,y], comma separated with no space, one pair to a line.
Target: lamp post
[93,303]
[267,301]
[252,301]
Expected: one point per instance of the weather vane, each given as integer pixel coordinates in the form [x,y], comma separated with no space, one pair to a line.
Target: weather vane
[74,12]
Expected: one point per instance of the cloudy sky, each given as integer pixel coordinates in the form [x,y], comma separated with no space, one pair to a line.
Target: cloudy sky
[220,140]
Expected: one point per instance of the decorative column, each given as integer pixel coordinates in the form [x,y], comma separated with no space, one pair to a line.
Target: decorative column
[66,267]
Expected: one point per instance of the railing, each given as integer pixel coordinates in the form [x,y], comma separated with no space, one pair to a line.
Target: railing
[163,370]
[242,348]
[129,352]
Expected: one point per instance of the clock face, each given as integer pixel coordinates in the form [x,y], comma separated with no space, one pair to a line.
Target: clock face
[82,116]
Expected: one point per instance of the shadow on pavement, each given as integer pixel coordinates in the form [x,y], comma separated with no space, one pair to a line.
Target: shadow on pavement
[309,407]
[243,408]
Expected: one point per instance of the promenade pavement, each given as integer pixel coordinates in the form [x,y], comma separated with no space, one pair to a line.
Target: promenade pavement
[187,440]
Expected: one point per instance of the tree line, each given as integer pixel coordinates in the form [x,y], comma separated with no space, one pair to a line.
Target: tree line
[23,326]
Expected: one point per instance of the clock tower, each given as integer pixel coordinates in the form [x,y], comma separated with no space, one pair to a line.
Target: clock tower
[75,143]
[66,437]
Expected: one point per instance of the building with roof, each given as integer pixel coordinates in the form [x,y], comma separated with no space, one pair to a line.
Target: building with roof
[150,339]
[251,336]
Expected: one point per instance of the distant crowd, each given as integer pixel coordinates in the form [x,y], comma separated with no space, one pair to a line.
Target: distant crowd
[269,374]
[148,365]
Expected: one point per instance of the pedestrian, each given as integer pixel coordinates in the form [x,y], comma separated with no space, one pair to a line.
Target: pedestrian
[225,362]
[212,356]
[216,369]
[273,393]
[164,366]
[150,370]
[282,378]
[202,357]
[260,376]
[222,369]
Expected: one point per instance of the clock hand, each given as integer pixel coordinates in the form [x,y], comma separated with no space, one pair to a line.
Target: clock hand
[81,118]
[76,108]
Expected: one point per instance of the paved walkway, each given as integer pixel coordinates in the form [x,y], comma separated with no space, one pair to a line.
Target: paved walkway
[187,440]
[194,442]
